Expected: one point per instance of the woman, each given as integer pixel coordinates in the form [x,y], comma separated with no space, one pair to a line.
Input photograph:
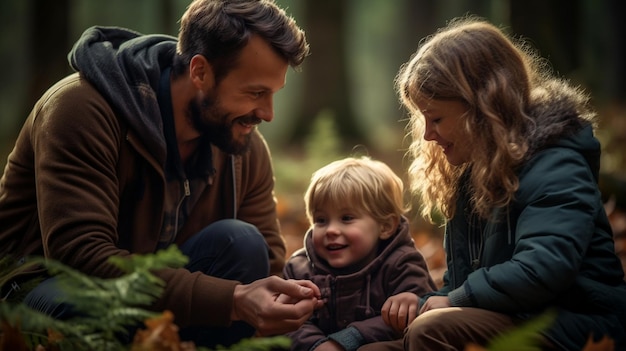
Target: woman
[505,152]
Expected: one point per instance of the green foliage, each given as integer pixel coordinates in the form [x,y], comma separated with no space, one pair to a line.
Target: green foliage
[524,338]
[322,146]
[9,268]
[107,308]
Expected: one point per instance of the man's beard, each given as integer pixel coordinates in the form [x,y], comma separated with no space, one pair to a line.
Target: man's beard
[211,121]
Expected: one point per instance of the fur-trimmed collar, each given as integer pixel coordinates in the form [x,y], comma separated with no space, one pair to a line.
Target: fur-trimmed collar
[559,110]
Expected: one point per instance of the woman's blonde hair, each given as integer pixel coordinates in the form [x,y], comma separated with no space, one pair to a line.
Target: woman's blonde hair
[473,62]
[361,183]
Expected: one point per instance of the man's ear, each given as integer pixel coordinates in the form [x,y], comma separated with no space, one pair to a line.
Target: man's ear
[201,72]
[388,227]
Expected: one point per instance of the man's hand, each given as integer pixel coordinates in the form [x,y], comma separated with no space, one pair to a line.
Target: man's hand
[400,310]
[259,305]
[284,298]
[434,302]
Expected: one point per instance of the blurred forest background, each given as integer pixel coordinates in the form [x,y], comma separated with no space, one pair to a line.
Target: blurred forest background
[342,102]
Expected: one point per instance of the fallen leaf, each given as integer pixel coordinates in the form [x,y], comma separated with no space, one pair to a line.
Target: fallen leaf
[604,344]
[474,347]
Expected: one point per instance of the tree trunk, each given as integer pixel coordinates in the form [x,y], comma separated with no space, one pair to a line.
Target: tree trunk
[325,87]
[49,45]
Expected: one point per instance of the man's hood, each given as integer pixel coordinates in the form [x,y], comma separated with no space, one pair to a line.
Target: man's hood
[125,66]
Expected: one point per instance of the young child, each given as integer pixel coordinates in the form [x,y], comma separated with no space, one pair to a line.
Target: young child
[359,252]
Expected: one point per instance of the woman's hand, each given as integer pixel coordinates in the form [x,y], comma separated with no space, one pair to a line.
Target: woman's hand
[434,302]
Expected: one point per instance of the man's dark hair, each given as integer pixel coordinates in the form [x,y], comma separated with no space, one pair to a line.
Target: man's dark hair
[219,29]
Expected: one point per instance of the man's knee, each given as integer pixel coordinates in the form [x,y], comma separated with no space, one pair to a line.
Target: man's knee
[50,299]
[230,249]
[239,238]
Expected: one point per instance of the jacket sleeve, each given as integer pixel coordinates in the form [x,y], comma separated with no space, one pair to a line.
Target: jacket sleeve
[307,337]
[557,202]
[76,140]
[257,203]
[405,271]
[443,291]
[290,272]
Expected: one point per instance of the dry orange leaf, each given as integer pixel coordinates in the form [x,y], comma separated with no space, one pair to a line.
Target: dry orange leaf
[161,335]
[474,347]
[604,344]
[54,336]
[11,338]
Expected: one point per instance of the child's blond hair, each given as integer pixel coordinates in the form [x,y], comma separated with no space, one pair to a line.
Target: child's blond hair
[361,183]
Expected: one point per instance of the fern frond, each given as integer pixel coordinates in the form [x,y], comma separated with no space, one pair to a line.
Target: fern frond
[9,269]
[106,308]
[170,257]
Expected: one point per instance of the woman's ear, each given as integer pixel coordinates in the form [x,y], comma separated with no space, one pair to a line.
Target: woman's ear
[201,73]
[388,227]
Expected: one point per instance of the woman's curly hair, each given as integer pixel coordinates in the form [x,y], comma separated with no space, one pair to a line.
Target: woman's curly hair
[473,62]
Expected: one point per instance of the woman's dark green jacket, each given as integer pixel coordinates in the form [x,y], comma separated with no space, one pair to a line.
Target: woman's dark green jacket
[552,247]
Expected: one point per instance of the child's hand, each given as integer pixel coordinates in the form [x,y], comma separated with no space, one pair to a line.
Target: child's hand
[400,310]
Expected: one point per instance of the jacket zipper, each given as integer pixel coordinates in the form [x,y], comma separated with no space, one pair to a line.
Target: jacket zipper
[333,302]
[186,193]
[451,270]
[475,243]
